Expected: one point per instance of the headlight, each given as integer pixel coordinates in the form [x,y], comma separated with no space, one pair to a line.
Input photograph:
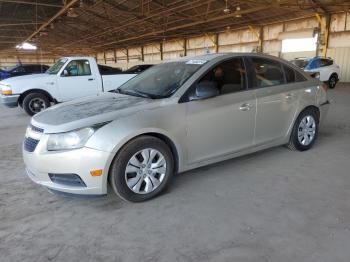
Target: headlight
[71,140]
[6,89]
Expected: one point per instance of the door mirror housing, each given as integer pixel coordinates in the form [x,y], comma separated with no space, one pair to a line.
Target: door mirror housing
[204,90]
[65,72]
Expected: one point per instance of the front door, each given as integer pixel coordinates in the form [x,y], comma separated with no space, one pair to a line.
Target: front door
[223,124]
[77,81]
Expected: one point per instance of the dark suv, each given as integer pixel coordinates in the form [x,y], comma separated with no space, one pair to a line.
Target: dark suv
[21,69]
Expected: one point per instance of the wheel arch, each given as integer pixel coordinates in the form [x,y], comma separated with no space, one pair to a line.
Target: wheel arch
[41,91]
[335,73]
[165,138]
[314,107]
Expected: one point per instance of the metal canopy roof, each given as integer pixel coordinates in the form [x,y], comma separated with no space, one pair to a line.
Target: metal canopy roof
[85,26]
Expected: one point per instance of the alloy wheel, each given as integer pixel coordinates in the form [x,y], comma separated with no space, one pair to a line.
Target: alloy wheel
[307,130]
[145,171]
[36,105]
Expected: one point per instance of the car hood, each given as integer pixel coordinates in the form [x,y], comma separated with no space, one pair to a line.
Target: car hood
[26,78]
[89,111]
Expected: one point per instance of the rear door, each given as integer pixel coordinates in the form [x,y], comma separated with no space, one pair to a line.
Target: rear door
[276,86]
[77,80]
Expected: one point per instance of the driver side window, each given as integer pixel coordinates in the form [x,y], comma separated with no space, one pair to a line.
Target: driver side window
[77,68]
[228,76]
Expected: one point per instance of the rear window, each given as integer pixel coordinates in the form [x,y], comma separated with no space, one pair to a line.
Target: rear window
[292,75]
[301,63]
[299,77]
[326,62]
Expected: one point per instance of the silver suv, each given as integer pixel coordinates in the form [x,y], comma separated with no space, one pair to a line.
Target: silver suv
[173,117]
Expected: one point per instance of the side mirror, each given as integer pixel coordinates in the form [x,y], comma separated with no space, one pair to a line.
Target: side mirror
[204,90]
[65,72]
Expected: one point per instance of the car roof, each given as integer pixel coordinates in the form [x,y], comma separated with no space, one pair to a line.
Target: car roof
[216,56]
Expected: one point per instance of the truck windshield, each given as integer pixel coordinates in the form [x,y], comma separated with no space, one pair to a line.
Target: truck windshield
[162,80]
[56,67]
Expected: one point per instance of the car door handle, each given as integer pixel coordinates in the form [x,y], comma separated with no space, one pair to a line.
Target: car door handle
[245,107]
[91,79]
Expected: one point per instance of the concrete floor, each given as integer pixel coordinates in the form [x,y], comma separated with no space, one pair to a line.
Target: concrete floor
[276,205]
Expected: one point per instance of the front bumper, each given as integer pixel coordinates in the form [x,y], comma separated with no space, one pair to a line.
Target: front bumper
[42,164]
[10,100]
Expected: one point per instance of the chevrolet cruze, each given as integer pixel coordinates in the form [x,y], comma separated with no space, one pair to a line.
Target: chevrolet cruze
[175,116]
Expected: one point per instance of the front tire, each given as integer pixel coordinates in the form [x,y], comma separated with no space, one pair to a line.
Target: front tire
[333,80]
[34,103]
[305,130]
[142,169]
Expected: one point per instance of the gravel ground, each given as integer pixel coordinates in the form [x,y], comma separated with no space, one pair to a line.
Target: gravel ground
[276,205]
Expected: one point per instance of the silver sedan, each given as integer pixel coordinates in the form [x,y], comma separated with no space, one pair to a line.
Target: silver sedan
[176,116]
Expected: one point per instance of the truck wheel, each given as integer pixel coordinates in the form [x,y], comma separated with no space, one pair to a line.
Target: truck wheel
[332,81]
[142,169]
[34,103]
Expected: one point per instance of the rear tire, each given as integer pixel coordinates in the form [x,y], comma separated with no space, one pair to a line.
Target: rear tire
[142,169]
[333,80]
[34,103]
[305,130]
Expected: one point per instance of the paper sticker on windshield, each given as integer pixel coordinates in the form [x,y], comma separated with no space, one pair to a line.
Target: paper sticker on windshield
[196,62]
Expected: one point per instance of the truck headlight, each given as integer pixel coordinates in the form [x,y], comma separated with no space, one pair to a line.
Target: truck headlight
[6,89]
[71,140]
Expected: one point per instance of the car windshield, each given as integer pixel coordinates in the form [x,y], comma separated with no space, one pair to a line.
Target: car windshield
[162,80]
[301,63]
[56,67]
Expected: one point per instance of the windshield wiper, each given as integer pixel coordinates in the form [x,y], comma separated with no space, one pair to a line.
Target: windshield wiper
[130,93]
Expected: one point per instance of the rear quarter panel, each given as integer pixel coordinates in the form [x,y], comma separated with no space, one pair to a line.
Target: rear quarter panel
[311,94]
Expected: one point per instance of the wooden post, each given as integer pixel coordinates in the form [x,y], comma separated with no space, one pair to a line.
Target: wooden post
[325,32]
[142,54]
[261,34]
[185,47]
[161,50]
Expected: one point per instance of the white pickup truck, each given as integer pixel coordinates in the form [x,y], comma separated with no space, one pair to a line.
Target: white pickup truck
[69,78]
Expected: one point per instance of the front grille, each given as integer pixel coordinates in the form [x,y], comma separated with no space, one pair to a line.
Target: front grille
[37,129]
[32,139]
[30,144]
[67,180]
